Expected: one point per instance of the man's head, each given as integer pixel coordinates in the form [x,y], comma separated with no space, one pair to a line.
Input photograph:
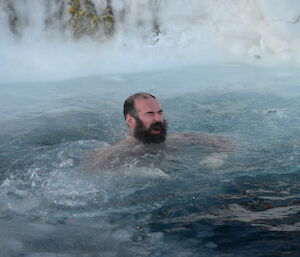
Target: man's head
[144,118]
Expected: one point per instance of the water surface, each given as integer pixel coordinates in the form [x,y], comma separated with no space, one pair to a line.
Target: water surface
[190,202]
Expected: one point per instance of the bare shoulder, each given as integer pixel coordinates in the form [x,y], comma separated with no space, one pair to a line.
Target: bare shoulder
[104,157]
[196,138]
[100,157]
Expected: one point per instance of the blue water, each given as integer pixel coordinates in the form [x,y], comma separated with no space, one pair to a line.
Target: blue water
[188,202]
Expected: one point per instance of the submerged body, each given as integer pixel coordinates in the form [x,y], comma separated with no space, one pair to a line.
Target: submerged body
[148,135]
[130,147]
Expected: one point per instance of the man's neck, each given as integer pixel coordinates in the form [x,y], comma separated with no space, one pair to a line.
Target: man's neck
[131,139]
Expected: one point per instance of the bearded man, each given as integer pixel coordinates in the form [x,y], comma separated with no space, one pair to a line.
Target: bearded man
[144,118]
[148,132]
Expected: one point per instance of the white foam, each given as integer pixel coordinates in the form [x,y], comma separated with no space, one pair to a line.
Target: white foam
[145,172]
[190,32]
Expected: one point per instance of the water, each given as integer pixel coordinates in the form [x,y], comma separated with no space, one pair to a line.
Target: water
[63,81]
[189,202]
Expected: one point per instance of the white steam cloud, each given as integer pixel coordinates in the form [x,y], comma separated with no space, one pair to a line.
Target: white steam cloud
[147,34]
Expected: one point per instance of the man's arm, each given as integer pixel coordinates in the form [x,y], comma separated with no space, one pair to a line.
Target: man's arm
[195,138]
[220,147]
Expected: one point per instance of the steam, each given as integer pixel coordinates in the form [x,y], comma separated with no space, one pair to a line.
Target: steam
[50,40]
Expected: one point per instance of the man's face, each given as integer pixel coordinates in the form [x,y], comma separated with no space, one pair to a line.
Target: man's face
[150,126]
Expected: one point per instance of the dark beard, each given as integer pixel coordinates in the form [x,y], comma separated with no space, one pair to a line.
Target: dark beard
[145,136]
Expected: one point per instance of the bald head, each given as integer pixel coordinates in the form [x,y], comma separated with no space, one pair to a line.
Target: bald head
[129,104]
[144,118]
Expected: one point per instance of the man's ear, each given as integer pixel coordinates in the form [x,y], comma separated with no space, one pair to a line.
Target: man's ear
[130,121]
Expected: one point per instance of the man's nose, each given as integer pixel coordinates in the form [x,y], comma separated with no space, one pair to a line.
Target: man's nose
[158,117]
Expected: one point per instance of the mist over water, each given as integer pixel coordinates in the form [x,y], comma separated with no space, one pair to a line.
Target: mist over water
[189,202]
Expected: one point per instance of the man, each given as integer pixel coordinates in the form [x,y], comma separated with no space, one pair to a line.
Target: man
[144,118]
[148,133]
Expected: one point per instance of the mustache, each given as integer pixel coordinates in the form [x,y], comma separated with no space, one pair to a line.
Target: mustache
[157,126]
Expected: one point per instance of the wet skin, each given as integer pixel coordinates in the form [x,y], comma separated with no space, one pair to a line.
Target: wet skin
[149,112]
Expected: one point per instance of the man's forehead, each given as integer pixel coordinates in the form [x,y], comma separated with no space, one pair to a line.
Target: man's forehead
[149,102]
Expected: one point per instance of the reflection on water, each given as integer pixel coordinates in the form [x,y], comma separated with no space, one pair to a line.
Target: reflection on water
[188,202]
